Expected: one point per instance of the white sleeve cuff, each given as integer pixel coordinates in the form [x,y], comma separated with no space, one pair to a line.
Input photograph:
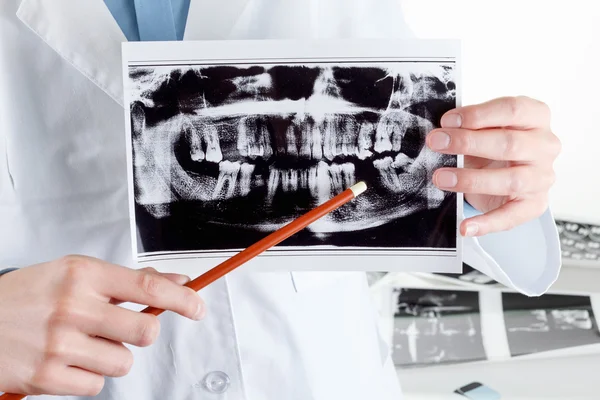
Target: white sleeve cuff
[526,258]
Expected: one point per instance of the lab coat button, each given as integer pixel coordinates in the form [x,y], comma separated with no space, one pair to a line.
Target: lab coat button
[216,382]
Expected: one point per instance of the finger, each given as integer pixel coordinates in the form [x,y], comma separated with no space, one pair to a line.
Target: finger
[99,356]
[60,380]
[495,144]
[177,278]
[517,112]
[506,217]
[120,324]
[513,181]
[105,320]
[148,288]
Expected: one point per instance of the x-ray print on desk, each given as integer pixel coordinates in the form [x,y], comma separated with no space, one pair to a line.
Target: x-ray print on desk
[435,327]
[229,141]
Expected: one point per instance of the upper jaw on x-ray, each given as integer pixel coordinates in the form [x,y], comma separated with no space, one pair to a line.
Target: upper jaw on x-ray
[256,146]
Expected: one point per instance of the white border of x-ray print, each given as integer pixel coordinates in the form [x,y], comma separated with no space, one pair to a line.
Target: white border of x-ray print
[298,258]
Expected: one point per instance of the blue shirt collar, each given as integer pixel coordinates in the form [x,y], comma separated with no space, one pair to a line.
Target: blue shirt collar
[156,20]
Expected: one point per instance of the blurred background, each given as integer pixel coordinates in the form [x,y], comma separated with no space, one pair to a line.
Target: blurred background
[449,331]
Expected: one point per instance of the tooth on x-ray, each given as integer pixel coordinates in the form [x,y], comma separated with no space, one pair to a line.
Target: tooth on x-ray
[228,176]
[290,138]
[402,161]
[365,141]
[213,147]
[246,178]
[194,140]
[387,173]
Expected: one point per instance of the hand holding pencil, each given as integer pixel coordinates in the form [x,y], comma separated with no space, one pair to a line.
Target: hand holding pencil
[66,372]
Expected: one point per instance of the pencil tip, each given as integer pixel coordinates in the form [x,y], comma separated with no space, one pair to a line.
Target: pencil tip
[359,188]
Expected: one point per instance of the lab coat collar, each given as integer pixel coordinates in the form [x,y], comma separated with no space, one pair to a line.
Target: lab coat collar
[86,35]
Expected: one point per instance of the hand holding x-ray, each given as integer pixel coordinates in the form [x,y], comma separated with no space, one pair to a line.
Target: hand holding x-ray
[509,153]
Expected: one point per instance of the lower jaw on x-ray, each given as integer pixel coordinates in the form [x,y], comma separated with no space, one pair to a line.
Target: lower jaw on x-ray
[212,175]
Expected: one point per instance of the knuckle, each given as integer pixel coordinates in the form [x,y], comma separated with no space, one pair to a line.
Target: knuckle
[467,144]
[470,182]
[555,145]
[65,312]
[192,300]
[73,266]
[123,365]
[73,260]
[476,116]
[149,284]
[147,331]
[511,146]
[44,381]
[75,270]
[94,388]
[149,269]
[41,381]
[57,347]
[513,105]
[517,180]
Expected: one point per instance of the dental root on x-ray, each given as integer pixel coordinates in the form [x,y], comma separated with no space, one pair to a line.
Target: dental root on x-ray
[224,153]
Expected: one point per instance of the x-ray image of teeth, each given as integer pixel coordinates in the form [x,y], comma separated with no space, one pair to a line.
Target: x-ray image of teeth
[436,327]
[223,154]
[549,322]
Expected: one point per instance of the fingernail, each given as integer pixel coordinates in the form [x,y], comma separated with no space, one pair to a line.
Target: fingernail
[446,179]
[439,140]
[472,229]
[200,312]
[452,120]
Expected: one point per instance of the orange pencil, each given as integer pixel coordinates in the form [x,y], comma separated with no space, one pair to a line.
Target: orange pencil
[270,241]
[257,248]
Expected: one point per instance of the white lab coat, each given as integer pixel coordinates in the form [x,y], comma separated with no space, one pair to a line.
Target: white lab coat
[63,190]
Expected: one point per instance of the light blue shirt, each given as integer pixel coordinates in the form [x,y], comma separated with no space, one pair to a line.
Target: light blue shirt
[155,20]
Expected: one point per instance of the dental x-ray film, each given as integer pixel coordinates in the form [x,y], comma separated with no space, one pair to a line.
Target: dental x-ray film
[229,141]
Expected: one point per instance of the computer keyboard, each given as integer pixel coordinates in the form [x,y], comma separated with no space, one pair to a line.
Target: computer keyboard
[579,242]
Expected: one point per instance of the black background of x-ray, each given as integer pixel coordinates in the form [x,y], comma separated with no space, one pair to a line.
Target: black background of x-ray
[186,229]
[288,82]
[362,86]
